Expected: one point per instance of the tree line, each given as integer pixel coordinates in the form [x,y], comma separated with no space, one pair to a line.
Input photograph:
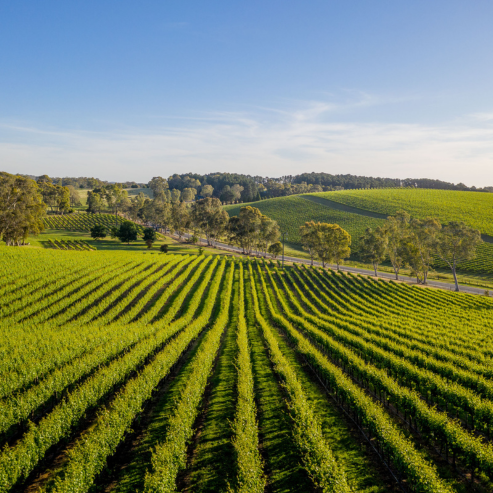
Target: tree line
[251,230]
[235,187]
[417,243]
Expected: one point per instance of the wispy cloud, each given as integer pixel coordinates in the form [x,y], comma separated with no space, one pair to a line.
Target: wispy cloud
[265,141]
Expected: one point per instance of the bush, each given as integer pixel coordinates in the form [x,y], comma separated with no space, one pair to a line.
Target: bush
[164,248]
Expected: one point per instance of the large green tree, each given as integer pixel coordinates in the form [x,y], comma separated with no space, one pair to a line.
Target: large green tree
[180,218]
[127,232]
[209,218]
[98,232]
[308,234]
[396,228]
[149,236]
[419,245]
[245,227]
[333,243]
[159,185]
[21,208]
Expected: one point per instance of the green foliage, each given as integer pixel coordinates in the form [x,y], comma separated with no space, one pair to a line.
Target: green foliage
[150,235]
[127,232]
[275,249]
[98,232]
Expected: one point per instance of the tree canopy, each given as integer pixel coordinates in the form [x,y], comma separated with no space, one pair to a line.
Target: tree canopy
[21,208]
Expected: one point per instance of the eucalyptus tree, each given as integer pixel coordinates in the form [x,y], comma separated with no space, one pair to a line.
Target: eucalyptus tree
[373,247]
[455,243]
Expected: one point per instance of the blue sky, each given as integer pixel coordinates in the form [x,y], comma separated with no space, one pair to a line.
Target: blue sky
[133,89]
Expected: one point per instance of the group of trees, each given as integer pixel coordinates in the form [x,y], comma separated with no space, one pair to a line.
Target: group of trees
[327,242]
[126,232]
[56,197]
[250,230]
[417,242]
[233,187]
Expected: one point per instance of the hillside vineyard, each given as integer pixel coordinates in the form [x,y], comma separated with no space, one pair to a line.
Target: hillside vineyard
[130,372]
[356,210]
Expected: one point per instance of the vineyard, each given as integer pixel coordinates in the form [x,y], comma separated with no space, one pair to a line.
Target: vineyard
[82,221]
[79,245]
[474,208]
[126,372]
[292,212]
[356,210]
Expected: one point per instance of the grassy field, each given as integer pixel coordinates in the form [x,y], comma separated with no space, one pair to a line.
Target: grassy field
[354,382]
[110,245]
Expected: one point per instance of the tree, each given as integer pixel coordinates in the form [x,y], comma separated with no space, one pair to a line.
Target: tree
[396,229]
[158,185]
[188,194]
[21,208]
[268,234]
[116,198]
[373,247]
[161,214]
[227,195]
[455,243]
[331,243]
[339,241]
[236,191]
[308,233]
[418,246]
[275,249]
[74,196]
[62,198]
[127,232]
[149,237]
[94,202]
[164,248]
[244,228]
[175,195]
[180,218]
[208,216]
[98,232]
[207,190]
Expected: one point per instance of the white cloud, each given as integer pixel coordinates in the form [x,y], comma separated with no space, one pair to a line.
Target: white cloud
[264,142]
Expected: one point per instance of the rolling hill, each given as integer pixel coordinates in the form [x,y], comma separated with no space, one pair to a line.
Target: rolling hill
[355,210]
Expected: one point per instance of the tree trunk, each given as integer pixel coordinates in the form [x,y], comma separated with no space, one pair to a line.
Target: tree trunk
[375,269]
[455,278]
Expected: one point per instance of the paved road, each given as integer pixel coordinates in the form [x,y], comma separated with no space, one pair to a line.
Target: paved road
[357,270]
